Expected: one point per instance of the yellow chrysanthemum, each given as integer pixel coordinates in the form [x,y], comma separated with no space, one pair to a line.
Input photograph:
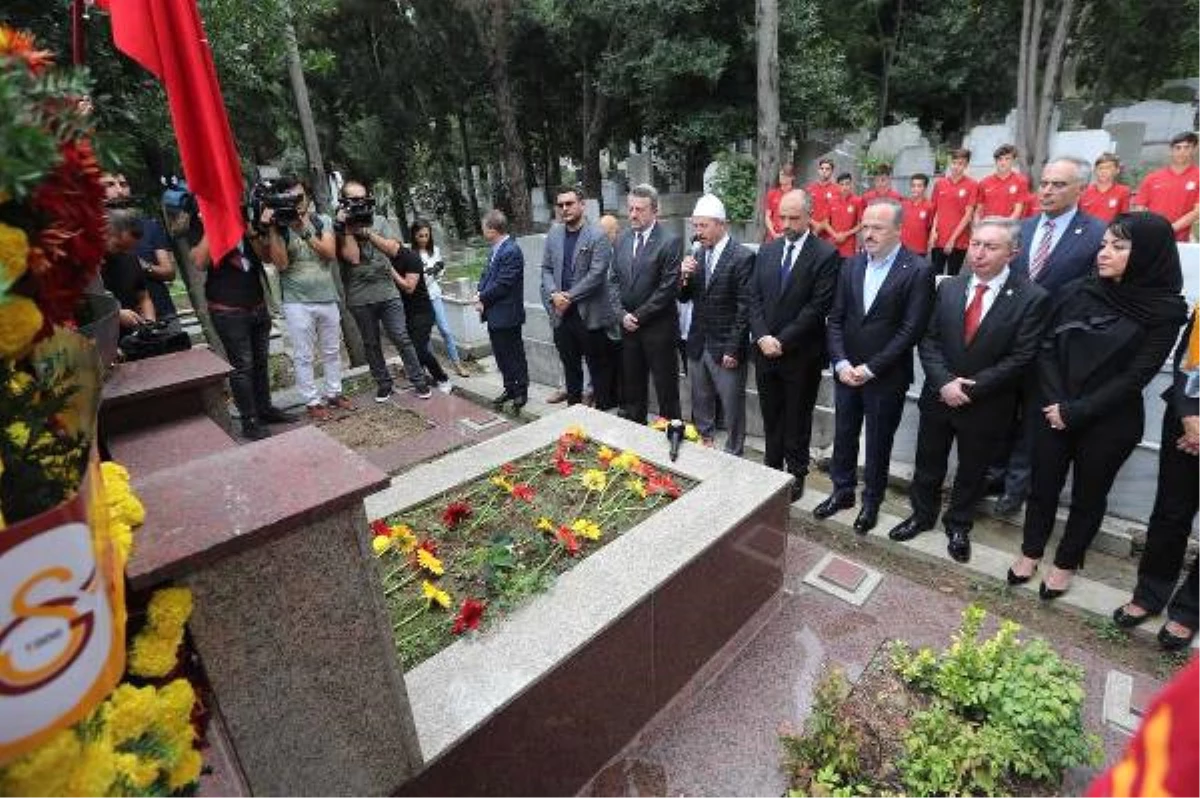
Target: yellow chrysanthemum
[20,320]
[586,529]
[691,433]
[129,508]
[113,472]
[637,486]
[14,255]
[153,656]
[544,524]
[626,460]
[437,596]
[122,539]
[177,700]
[131,711]
[138,772]
[18,433]
[45,770]
[594,479]
[429,562]
[502,483]
[95,770]
[170,608]
[380,544]
[19,382]
[186,770]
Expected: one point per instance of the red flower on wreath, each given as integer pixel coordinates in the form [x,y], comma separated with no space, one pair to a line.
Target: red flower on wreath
[428,544]
[455,513]
[469,616]
[567,538]
[564,466]
[661,483]
[522,491]
[380,527]
[508,469]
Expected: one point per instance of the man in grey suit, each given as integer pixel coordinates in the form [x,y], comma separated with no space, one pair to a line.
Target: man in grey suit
[643,285]
[575,294]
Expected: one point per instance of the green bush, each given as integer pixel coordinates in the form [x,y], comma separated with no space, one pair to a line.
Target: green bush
[736,184]
[1002,709]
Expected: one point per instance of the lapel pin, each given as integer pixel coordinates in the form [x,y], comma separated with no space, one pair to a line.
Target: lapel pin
[1078,231]
[1008,292]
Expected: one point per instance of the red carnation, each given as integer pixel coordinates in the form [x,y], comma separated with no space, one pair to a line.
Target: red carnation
[430,545]
[564,466]
[523,492]
[507,469]
[567,538]
[455,513]
[379,527]
[469,616]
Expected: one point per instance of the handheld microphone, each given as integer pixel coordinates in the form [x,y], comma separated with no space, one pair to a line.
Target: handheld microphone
[695,253]
[675,433]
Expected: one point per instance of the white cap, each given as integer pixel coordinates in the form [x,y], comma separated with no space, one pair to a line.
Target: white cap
[710,206]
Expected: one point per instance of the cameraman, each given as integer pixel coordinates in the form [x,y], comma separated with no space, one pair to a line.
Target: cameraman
[367,243]
[120,271]
[153,250]
[236,298]
[301,245]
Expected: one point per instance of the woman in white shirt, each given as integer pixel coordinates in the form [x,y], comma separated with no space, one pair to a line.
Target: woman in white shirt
[421,235]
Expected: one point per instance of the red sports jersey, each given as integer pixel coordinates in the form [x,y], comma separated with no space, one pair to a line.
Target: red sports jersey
[1105,205]
[1171,195]
[914,229]
[774,195]
[820,195]
[844,214]
[999,196]
[952,201]
[872,194]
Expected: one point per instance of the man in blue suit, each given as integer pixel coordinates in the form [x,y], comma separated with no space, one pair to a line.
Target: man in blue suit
[1058,246]
[501,305]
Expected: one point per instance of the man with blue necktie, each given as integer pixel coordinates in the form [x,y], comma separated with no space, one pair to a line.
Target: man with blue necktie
[791,290]
[882,306]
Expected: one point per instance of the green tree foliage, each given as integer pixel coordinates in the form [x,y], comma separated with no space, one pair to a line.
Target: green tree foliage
[1127,49]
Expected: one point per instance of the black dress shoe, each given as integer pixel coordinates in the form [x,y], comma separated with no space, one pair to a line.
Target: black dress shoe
[1170,642]
[837,501]
[1125,620]
[1008,504]
[499,401]
[255,432]
[959,546]
[797,490]
[867,518]
[274,415]
[520,401]
[908,529]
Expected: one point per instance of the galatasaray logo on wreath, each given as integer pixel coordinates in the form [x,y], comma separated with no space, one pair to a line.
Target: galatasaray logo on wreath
[47,634]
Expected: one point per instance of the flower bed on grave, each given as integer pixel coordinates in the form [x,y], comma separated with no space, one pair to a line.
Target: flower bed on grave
[461,559]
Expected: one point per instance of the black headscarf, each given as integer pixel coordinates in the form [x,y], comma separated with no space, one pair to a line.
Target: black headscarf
[1149,291]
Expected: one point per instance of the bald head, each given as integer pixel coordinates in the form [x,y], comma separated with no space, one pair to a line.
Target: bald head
[794,213]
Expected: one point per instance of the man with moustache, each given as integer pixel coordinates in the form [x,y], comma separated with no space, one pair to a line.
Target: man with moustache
[983,334]
[880,311]
[643,286]
[791,290]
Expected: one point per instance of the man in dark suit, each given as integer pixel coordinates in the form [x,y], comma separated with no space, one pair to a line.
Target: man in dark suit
[983,334]
[643,285]
[500,302]
[791,291]
[881,310]
[1058,246]
[718,286]
[575,292]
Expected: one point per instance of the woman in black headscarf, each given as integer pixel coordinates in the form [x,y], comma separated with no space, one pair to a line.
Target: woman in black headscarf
[1108,336]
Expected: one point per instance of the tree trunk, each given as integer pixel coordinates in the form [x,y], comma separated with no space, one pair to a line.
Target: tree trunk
[491,21]
[312,146]
[1050,81]
[472,199]
[595,117]
[767,30]
[194,279]
[1022,132]
[889,60]
[1036,95]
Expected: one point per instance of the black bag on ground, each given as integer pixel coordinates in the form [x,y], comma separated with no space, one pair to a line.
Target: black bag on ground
[153,338]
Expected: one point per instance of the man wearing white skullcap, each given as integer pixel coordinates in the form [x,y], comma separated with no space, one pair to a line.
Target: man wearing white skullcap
[715,278]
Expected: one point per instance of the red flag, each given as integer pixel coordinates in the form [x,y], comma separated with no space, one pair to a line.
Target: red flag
[167,38]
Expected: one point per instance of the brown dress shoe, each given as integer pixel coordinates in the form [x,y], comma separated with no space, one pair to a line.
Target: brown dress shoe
[558,396]
[340,402]
[318,413]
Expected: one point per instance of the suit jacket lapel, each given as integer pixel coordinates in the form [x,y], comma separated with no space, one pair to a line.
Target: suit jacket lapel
[998,312]
[726,254]
[801,262]
[1070,239]
[893,276]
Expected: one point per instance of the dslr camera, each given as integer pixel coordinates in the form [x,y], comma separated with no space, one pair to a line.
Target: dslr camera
[267,194]
[359,211]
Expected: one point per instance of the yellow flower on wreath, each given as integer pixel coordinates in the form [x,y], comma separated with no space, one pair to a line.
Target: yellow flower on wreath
[20,320]
[637,486]
[429,562]
[434,594]
[96,769]
[186,770]
[626,461]
[131,712]
[691,433]
[586,529]
[503,484]
[380,544]
[594,479]
[14,255]
[544,524]
[170,608]
[576,431]
[45,770]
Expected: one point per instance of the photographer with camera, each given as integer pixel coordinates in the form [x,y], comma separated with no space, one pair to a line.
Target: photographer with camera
[153,250]
[236,295]
[301,245]
[366,245]
[121,273]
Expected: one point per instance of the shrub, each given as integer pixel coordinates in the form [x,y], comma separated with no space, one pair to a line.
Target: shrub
[736,184]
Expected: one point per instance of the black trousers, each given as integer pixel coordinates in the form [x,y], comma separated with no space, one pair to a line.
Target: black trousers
[1175,505]
[978,443]
[880,408]
[420,327]
[1094,455]
[509,351]
[649,353]
[245,335]
[576,343]
[947,264]
[389,314]
[787,393]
